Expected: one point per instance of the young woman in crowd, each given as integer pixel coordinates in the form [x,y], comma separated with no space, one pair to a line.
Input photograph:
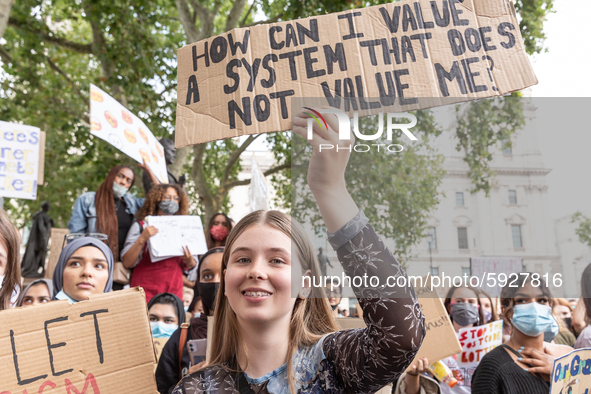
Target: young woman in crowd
[562,311]
[84,268]
[217,231]
[169,371]
[165,276]
[522,365]
[582,311]
[488,307]
[109,210]
[166,313]
[268,341]
[465,310]
[10,262]
[37,292]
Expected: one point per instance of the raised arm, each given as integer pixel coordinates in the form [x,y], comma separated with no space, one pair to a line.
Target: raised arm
[366,359]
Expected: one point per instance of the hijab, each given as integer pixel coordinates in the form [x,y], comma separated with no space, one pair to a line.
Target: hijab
[33,283]
[68,251]
[179,305]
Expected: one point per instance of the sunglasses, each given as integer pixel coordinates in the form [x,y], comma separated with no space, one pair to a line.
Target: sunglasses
[70,237]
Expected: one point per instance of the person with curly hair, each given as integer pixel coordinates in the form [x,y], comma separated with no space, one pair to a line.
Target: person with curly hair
[165,276]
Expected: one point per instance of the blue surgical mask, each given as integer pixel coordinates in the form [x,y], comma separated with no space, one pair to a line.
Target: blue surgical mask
[533,319]
[487,315]
[118,190]
[187,309]
[162,330]
[197,315]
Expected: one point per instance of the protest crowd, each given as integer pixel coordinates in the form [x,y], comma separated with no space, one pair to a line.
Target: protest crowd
[225,304]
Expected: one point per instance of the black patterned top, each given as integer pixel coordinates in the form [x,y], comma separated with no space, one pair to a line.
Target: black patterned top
[353,361]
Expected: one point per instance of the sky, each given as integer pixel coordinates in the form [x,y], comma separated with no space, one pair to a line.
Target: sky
[564,134]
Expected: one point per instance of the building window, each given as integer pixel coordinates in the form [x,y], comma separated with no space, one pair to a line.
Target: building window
[462,237]
[512,197]
[516,234]
[507,151]
[434,271]
[431,238]
[459,199]
[466,271]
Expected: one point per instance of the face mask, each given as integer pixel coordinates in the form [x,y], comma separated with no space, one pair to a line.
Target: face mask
[333,307]
[487,315]
[197,315]
[168,207]
[568,321]
[533,319]
[118,190]
[464,314]
[186,309]
[162,330]
[208,292]
[219,233]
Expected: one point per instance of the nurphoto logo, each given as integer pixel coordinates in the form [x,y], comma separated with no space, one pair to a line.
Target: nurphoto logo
[345,126]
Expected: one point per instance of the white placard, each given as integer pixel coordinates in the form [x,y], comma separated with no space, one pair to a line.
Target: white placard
[112,122]
[19,160]
[174,232]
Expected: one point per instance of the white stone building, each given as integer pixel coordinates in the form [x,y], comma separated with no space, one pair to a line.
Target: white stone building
[574,255]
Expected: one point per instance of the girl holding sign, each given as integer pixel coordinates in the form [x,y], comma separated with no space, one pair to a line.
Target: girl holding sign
[10,262]
[165,276]
[523,364]
[277,335]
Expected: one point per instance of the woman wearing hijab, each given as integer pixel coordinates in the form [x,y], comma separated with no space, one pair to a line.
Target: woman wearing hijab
[166,313]
[37,292]
[169,370]
[84,268]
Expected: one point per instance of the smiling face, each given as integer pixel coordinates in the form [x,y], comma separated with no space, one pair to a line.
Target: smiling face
[124,177]
[36,295]
[86,273]
[258,276]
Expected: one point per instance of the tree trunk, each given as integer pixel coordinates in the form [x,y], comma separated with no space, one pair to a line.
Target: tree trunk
[5,6]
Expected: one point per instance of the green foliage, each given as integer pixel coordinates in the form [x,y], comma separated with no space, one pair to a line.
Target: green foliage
[584,227]
[533,14]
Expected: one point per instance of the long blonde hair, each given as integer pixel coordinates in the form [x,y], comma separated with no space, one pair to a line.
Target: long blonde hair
[311,317]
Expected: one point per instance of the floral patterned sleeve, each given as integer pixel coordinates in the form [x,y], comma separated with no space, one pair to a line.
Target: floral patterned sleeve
[364,360]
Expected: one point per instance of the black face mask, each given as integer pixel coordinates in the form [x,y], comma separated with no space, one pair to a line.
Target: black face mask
[208,293]
[568,321]
[334,306]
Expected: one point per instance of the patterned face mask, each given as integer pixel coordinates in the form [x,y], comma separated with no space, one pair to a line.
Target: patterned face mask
[219,233]
[168,207]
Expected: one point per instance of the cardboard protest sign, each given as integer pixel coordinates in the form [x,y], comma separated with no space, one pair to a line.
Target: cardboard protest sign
[174,232]
[481,266]
[21,160]
[241,82]
[112,122]
[159,345]
[477,341]
[440,338]
[104,344]
[57,241]
[571,373]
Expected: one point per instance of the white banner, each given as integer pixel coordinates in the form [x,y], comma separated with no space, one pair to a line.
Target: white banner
[174,232]
[112,122]
[481,266]
[19,160]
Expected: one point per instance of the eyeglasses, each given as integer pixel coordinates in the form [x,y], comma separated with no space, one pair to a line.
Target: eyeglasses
[168,198]
[70,237]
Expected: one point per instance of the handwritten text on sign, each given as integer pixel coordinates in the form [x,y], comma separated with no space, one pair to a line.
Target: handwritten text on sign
[103,344]
[241,82]
[477,341]
[19,160]
[572,373]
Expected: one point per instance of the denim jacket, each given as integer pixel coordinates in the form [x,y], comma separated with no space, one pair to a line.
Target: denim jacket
[83,218]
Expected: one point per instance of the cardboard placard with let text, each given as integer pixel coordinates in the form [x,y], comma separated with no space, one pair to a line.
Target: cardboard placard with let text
[103,345]
[241,82]
[571,373]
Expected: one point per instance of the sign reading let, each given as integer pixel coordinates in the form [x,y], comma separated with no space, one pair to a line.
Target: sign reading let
[242,82]
[21,168]
[103,345]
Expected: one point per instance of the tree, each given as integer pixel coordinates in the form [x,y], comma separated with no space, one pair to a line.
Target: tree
[584,227]
[5,6]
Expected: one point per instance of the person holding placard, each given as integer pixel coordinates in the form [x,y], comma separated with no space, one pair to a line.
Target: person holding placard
[164,276]
[109,210]
[277,335]
[84,268]
[523,364]
[170,370]
[10,266]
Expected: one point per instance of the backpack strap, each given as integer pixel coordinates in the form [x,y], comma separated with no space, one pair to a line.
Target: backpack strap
[182,342]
